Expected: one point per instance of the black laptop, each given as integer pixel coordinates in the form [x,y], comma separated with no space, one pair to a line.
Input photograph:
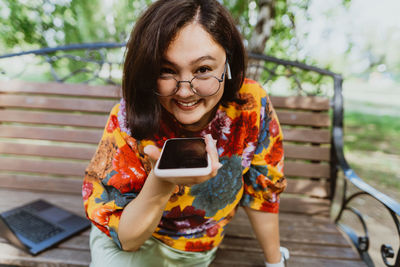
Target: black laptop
[39,225]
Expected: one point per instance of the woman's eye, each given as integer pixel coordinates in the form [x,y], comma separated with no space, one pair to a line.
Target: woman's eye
[203,70]
[166,71]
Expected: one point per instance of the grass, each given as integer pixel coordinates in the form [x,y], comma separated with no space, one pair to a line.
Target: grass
[367,132]
[372,147]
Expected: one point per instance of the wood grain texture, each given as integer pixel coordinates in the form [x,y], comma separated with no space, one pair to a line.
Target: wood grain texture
[42,183]
[306,152]
[315,103]
[54,88]
[311,239]
[47,118]
[52,134]
[73,184]
[304,169]
[53,151]
[319,136]
[43,166]
[303,119]
[56,103]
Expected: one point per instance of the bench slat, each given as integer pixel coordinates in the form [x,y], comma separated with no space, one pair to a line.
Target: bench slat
[292,235]
[308,250]
[306,152]
[53,257]
[56,103]
[104,106]
[38,117]
[73,186]
[53,88]
[43,166]
[72,168]
[317,136]
[41,183]
[307,187]
[15,198]
[315,103]
[53,134]
[289,221]
[304,205]
[55,151]
[228,258]
[303,169]
[59,151]
[303,119]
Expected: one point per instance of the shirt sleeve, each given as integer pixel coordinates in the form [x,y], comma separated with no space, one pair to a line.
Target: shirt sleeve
[113,178]
[264,180]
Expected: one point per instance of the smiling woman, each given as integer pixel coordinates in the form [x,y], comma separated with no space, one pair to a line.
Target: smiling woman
[192,55]
[184,77]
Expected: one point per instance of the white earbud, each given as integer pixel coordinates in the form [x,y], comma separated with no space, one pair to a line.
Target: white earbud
[228,71]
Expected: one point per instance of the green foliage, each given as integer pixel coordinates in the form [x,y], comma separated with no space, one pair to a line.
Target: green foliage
[41,23]
[32,24]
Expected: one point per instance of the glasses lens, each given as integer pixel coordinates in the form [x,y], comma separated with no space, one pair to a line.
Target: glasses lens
[205,85]
[166,85]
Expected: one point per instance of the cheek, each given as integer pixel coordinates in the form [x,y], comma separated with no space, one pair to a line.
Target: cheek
[217,98]
[163,101]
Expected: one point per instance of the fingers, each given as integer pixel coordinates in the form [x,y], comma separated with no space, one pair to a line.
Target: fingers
[212,151]
[153,152]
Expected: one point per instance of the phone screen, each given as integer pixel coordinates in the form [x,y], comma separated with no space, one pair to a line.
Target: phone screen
[184,153]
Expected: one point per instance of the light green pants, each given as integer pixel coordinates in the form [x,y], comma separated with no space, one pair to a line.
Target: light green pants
[153,253]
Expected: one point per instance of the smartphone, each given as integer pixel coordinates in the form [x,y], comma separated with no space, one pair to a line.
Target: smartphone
[182,157]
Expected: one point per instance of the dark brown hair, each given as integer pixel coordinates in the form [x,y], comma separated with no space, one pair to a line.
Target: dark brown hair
[150,38]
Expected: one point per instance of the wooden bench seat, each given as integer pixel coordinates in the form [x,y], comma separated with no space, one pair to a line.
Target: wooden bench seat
[49,132]
[313,240]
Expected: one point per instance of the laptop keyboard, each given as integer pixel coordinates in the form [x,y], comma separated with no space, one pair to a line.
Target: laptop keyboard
[31,226]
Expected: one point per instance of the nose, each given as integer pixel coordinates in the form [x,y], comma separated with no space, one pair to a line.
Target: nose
[184,89]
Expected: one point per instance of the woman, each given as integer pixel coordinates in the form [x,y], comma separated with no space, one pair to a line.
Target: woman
[184,77]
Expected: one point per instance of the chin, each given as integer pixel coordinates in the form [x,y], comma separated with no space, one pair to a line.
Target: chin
[188,122]
[193,125]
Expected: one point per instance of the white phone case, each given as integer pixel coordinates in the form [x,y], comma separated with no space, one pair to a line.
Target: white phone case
[182,172]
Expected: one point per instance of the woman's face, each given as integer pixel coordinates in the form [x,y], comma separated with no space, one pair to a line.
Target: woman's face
[192,52]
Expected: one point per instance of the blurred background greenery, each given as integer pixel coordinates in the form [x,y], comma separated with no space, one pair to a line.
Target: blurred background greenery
[357,38]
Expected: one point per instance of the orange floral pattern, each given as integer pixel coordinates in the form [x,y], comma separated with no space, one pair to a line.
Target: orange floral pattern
[249,144]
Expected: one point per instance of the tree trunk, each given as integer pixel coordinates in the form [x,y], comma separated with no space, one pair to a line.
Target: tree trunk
[262,32]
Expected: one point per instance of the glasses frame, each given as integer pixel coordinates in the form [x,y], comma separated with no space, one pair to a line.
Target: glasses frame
[220,80]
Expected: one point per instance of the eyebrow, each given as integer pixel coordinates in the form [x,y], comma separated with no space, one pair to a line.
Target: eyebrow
[193,62]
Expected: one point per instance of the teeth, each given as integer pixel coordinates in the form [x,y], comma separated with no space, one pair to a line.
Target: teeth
[188,104]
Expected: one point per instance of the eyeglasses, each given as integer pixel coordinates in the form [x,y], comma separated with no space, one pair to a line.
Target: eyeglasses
[202,85]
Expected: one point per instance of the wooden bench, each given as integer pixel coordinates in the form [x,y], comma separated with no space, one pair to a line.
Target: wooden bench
[49,132]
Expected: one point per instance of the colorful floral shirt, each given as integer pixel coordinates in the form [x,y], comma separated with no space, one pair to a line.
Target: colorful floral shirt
[249,144]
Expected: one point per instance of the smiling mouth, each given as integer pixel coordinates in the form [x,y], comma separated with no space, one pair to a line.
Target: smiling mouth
[187,104]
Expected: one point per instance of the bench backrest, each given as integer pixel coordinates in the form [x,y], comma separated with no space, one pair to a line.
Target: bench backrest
[49,132]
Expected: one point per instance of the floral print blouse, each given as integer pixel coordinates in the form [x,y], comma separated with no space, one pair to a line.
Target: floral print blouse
[249,144]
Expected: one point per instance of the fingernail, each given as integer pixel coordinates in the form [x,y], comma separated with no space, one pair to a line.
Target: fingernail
[219,165]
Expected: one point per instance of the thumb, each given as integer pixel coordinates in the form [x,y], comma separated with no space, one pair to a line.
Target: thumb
[153,152]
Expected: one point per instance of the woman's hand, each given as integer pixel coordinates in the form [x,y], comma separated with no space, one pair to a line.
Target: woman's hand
[154,153]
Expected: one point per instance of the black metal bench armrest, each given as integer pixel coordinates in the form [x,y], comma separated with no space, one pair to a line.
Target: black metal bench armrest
[362,242]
